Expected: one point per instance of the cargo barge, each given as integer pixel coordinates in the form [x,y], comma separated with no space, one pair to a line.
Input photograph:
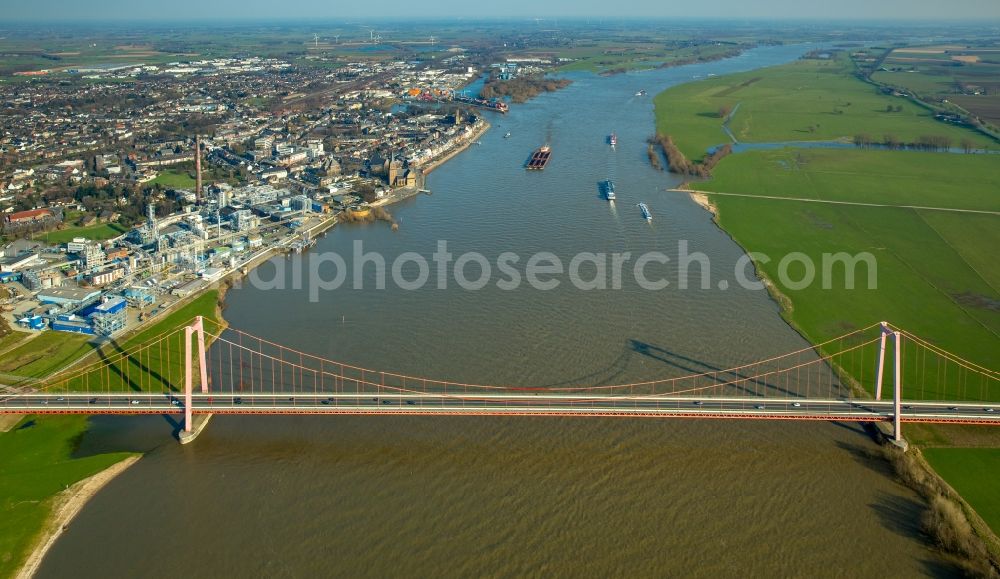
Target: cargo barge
[609,190]
[492,104]
[539,159]
[645,212]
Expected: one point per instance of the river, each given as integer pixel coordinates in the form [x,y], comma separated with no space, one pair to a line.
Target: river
[440,496]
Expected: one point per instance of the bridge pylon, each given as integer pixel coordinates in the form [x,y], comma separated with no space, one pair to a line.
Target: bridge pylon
[197,331]
[897,380]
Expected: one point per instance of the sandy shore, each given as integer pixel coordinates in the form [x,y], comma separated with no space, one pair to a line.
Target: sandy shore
[702,199]
[8,421]
[66,505]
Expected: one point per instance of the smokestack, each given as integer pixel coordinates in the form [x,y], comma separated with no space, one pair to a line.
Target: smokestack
[197,169]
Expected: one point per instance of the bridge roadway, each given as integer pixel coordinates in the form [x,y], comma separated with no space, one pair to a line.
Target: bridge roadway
[540,404]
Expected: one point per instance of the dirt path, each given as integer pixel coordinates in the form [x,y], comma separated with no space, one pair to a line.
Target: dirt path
[693,192]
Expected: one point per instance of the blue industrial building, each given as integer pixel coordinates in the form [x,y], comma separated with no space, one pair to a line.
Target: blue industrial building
[110,306]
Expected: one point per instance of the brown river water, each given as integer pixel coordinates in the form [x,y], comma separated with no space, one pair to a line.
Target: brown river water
[473,496]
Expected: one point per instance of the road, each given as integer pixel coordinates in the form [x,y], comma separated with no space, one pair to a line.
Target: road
[503,404]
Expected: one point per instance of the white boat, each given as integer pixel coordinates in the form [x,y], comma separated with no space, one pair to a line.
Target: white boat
[645,212]
[609,190]
[507,136]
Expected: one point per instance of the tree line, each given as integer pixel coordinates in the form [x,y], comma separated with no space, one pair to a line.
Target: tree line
[677,161]
[923,143]
[522,88]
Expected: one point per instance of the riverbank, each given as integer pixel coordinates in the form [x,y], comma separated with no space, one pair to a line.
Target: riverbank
[67,503]
[460,144]
[43,486]
[65,506]
[927,218]
[67,484]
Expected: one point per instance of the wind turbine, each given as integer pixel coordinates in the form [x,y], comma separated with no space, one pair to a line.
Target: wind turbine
[336,39]
[316,41]
[433,41]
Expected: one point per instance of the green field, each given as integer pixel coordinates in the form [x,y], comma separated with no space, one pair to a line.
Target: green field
[865,176]
[10,339]
[174,179]
[37,464]
[45,354]
[619,56]
[37,461]
[98,232]
[808,100]
[937,272]
[964,469]
[924,271]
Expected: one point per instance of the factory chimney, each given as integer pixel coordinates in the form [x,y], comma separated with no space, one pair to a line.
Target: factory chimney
[197,169]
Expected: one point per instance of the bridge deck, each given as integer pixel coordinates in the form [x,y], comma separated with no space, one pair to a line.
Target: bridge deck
[503,405]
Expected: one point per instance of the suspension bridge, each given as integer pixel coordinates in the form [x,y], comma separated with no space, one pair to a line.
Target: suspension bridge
[876,374]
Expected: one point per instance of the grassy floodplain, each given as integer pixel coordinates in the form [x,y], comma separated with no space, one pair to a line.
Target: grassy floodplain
[938,275]
[44,354]
[38,464]
[605,56]
[963,469]
[808,100]
[37,453]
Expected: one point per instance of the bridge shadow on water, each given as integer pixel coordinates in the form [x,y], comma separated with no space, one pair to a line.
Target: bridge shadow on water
[694,366]
[900,513]
[613,372]
[609,374]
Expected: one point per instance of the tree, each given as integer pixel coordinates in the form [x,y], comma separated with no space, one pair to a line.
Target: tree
[725,111]
[967,145]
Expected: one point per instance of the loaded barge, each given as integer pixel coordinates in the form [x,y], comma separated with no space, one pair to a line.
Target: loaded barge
[492,104]
[609,190]
[539,158]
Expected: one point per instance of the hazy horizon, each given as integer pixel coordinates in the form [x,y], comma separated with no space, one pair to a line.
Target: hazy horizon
[243,10]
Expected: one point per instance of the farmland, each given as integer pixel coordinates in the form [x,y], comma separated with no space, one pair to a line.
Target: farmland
[808,100]
[967,75]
